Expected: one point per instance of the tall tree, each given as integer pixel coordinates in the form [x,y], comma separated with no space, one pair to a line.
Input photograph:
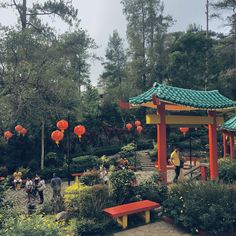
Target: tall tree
[34,82]
[115,64]
[146,31]
[30,12]
[77,48]
[230,6]
[186,67]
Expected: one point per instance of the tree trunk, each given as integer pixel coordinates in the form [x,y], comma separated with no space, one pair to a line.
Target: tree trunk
[23,15]
[42,144]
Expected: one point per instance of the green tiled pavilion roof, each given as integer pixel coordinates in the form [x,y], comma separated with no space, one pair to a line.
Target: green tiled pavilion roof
[230,125]
[206,100]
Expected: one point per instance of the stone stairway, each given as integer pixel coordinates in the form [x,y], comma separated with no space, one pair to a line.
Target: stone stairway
[145,161]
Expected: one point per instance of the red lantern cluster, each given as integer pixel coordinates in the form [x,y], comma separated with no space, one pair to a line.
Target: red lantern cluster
[19,129]
[79,130]
[62,125]
[184,130]
[138,125]
[57,136]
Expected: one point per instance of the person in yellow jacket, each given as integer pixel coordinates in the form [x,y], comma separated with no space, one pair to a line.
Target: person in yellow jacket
[17,180]
[175,160]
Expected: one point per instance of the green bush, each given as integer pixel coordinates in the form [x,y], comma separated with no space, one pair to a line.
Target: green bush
[83,163]
[87,202]
[47,173]
[106,150]
[207,206]
[36,225]
[92,227]
[143,144]
[3,171]
[91,178]
[152,189]
[122,185]
[52,159]
[227,170]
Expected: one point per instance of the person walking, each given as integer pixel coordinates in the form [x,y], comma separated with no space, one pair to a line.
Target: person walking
[29,189]
[175,160]
[40,188]
[56,186]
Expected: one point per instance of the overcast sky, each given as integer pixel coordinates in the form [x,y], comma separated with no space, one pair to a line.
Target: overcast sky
[101,17]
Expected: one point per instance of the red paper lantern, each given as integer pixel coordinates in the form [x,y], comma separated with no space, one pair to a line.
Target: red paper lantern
[137,123]
[8,134]
[23,131]
[139,129]
[129,126]
[184,130]
[62,125]
[79,130]
[18,128]
[57,136]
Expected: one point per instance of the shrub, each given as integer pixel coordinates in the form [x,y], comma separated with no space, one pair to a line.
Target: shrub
[83,163]
[33,166]
[206,206]
[35,224]
[52,207]
[91,178]
[86,201]
[52,159]
[3,171]
[106,150]
[92,227]
[227,170]
[152,189]
[122,185]
[47,173]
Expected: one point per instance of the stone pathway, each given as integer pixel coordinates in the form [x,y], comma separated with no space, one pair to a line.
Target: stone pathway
[155,229]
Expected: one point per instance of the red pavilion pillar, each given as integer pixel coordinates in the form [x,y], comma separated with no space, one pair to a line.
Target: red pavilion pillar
[225,144]
[231,142]
[161,142]
[213,146]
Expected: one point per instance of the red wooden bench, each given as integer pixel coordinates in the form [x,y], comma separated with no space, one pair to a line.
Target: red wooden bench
[77,175]
[121,212]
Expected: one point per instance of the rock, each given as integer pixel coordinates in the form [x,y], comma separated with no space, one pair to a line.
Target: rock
[62,216]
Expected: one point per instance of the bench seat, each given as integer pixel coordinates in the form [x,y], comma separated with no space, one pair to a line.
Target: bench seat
[121,212]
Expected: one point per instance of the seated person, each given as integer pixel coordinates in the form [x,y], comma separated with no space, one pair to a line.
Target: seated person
[17,180]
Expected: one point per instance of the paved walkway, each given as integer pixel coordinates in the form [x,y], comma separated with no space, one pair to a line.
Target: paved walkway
[155,229]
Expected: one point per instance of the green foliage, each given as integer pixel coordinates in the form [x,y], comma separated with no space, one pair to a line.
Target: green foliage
[106,150]
[227,170]
[47,173]
[52,207]
[90,178]
[92,227]
[26,225]
[153,152]
[87,202]
[207,206]
[122,185]
[152,189]
[131,147]
[3,171]
[83,163]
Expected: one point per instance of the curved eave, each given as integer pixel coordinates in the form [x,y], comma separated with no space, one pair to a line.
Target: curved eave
[180,107]
[229,125]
